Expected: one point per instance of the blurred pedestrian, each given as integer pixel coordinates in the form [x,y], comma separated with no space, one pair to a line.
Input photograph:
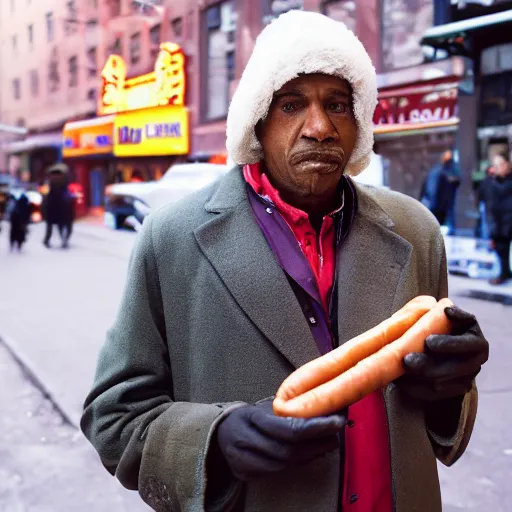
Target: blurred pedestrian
[58,205]
[482,190]
[440,189]
[283,259]
[497,195]
[18,212]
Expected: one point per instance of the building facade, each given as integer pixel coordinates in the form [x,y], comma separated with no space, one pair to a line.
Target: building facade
[54,51]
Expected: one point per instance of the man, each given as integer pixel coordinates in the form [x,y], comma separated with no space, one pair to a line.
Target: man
[58,207]
[282,260]
[498,199]
[440,189]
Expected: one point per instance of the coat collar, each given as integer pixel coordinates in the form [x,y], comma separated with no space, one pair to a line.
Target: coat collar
[371,263]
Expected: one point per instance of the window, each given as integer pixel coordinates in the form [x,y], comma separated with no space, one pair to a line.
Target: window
[154,35]
[31,36]
[135,48]
[496,59]
[14,43]
[220,64]
[271,9]
[53,71]
[34,82]
[403,24]
[342,10]
[73,71]
[16,88]
[92,62]
[49,26]
[91,94]
[71,20]
[177,27]
[117,47]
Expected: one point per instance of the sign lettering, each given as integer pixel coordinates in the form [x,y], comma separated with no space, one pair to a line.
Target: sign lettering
[417,108]
[164,86]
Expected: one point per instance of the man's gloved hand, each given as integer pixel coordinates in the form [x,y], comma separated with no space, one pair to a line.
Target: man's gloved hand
[255,442]
[450,362]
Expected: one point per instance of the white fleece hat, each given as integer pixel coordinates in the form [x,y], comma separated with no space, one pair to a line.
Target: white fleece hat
[300,42]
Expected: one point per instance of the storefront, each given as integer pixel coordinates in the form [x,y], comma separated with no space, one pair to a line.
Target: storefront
[142,128]
[481,32]
[413,125]
[35,153]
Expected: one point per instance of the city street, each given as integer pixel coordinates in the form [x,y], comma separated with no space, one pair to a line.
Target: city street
[55,307]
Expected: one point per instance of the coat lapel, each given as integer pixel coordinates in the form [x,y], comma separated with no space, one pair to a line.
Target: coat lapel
[371,263]
[233,243]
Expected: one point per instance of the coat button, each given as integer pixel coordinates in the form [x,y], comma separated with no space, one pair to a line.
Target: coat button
[268,210]
[351,423]
[353,498]
[312,320]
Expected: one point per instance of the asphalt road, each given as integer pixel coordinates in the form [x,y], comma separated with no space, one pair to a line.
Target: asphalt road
[55,307]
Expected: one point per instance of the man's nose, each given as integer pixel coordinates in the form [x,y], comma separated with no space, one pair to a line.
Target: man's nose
[318,126]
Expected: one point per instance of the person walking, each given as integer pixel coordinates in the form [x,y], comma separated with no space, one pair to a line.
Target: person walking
[482,190]
[58,206]
[439,190]
[497,194]
[18,212]
[282,260]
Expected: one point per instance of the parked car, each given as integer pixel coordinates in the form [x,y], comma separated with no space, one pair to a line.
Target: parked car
[471,257]
[179,181]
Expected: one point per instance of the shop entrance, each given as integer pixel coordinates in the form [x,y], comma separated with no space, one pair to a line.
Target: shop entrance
[97,187]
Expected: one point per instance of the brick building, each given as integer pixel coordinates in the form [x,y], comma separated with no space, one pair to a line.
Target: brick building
[53,51]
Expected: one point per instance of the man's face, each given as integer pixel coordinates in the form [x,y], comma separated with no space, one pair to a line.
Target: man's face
[446,157]
[501,166]
[308,135]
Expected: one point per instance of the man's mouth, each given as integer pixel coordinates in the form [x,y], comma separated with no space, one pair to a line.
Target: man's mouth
[323,161]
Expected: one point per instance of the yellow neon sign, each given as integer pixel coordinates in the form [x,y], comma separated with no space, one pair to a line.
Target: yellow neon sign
[164,86]
[158,131]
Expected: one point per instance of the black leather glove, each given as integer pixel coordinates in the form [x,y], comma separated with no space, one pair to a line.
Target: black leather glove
[450,362]
[255,442]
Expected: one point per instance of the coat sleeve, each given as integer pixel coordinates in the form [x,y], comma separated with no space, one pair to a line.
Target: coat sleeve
[148,441]
[450,443]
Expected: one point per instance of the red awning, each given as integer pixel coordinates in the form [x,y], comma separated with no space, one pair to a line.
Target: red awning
[422,106]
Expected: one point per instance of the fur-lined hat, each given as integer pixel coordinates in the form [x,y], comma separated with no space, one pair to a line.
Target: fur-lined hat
[300,42]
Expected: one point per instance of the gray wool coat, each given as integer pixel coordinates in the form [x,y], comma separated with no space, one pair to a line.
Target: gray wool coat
[208,322]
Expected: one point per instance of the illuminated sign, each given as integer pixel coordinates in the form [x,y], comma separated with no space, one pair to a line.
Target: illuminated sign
[90,137]
[164,86]
[158,131]
[410,108]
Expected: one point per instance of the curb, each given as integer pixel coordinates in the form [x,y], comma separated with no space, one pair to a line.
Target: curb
[28,369]
[501,298]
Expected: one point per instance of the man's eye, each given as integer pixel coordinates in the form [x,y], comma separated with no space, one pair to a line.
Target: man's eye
[339,108]
[289,107]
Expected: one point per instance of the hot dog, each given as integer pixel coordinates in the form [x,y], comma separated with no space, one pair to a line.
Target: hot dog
[330,383]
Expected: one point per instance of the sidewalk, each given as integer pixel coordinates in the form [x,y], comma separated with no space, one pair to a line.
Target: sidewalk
[57,306]
[481,289]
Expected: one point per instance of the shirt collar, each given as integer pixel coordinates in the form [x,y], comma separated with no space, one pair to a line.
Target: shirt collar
[259,182]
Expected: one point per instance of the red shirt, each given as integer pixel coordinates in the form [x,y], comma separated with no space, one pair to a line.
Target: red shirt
[318,249]
[367,483]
